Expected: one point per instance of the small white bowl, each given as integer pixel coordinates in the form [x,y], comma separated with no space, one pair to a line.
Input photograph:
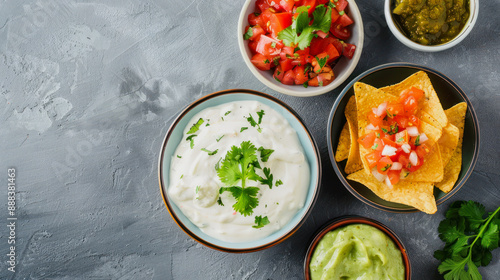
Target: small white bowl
[342,69]
[474,10]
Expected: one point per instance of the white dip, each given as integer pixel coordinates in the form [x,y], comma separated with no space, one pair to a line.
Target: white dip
[195,183]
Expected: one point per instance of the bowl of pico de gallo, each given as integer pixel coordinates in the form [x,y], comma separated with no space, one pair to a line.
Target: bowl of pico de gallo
[301,48]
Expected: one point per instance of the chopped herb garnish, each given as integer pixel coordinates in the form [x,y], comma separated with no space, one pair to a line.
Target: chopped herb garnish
[273,45]
[190,139]
[265,153]
[181,176]
[248,34]
[196,126]
[394,129]
[269,178]
[260,114]
[417,140]
[306,84]
[197,189]
[384,130]
[260,222]
[378,134]
[253,123]
[210,153]
[321,62]
[227,113]
[178,156]
[278,183]
[219,201]
[266,60]
[218,139]
[400,140]
[385,168]
[217,165]
[243,129]
[320,83]
[341,13]
[375,146]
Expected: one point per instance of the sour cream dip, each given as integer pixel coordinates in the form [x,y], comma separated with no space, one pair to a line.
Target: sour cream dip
[195,184]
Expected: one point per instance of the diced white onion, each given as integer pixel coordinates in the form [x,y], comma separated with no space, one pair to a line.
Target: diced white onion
[374,110]
[381,109]
[412,130]
[378,176]
[413,158]
[406,148]
[396,166]
[388,182]
[389,150]
[423,138]
[371,127]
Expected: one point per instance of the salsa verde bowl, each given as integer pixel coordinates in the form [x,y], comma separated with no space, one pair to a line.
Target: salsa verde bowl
[401,35]
[342,69]
[449,94]
[344,221]
[175,135]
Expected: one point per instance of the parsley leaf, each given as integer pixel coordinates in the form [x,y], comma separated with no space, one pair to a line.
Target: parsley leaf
[195,127]
[260,222]
[269,178]
[469,239]
[300,33]
[265,153]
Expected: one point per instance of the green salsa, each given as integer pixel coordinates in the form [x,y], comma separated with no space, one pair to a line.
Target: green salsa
[356,251]
[431,22]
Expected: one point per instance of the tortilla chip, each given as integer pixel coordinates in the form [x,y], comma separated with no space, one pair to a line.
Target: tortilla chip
[456,116]
[417,194]
[431,104]
[344,144]
[353,160]
[367,97]
[432,170]
[448,142]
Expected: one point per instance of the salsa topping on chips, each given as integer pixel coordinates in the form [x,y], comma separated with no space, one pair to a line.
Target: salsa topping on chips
[394,138]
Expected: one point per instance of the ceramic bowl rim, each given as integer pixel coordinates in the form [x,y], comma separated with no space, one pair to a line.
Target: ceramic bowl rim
[355,219]
[475,123]
[314,177]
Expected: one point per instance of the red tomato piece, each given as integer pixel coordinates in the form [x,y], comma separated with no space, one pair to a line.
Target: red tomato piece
[255,19]
[344,20]
[322,79]
[384,164]
[262,5]
[279,22]
[256,32]
[262,62]
[278,74]
[340,32]
[341,5]
[393,176]
[402,121]
[300,75]
[312,5]
[348,50]
[413,121]
[378,145]
[269,46]
[367,140]
[288,78]
[335,15]
[394,109]
[332,52]
[286,5]
[422,150]
[402,138]
[376,120]
[372,158]
[286,64]
[389,142]
[253,46]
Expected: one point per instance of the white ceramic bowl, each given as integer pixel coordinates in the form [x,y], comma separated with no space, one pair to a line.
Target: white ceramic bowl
[474,10]
[342,69]
[174,136]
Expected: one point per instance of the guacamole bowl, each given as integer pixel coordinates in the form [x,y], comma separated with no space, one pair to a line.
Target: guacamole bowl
[403,36]
[170,162]
[347,232]
[448,92]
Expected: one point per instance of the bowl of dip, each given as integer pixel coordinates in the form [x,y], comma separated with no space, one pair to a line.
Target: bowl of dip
[239,171]
[431,28]
[354,246]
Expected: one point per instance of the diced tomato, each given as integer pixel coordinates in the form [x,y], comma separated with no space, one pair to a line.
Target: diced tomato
[322,79]
[286,5]
[422,150]
[389,142]
[269,46]
[395,157]
[320,62]
[256,32]
[375,120]
[300,75]
[262,5]
[378,145]
[388,136]
[253,46]
[341,5]
[372,158]
[322,1]
[332,52]
[340,32]
[278,74]
[255,19]
[266,18]
[413,168]
[367,140]
[384,164]
[317,46]
[410,105]
[393,176]
[402,121]
[288,78]
[402,138]
[415,92]
[311,3]
[413,121]
[279,22]
[321,34]
[404,159]
[286,64]
[348,50]
[262,62]
[344,20]
[335,15]
[394,109]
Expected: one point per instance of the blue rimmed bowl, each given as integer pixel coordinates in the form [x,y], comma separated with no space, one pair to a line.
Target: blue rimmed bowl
[449,94]
[174,136]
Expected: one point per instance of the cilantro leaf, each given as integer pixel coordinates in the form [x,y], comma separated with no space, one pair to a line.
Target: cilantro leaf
[269,178]
[243,129]
[252,121]
[219,201]
[265,153]
[322,18]
[474,212]
[191,141]
[210,153]
[248,34]
[195,127]
[260,114]
[321,62]
[260,222]
[278,183]
[246,199]
[218,139]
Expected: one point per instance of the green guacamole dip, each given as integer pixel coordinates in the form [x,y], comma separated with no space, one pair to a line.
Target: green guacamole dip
[431,22]
[359,252]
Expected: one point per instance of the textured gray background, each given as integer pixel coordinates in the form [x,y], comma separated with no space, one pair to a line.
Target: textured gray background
[88,91]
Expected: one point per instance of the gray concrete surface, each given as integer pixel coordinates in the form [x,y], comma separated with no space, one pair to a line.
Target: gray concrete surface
[88,90]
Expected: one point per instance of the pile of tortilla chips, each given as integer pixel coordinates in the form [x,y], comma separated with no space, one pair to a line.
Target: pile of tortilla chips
[444,129]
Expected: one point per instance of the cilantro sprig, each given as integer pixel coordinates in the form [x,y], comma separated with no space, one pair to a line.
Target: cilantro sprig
[470,235]
[239,167]
[301,32]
